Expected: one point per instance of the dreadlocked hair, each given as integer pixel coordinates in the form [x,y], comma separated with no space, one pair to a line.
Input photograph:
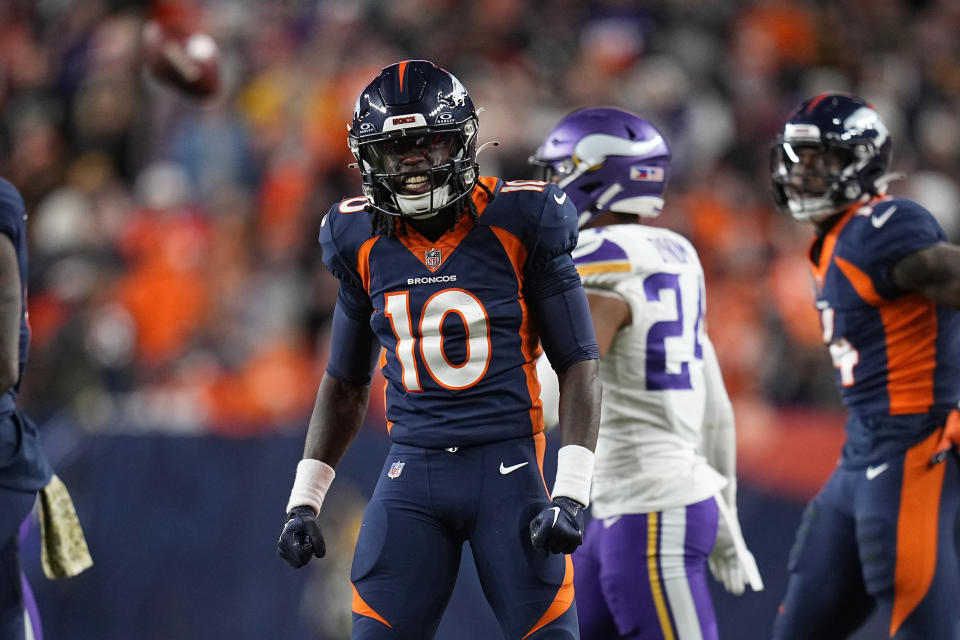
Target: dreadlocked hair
[386,225]
[391,226]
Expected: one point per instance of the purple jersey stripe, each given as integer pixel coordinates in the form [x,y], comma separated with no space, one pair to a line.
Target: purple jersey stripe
[606,252]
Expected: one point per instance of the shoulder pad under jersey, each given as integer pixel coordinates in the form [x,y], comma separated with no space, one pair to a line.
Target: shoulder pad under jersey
[539,214]
[345,227]
[607,256]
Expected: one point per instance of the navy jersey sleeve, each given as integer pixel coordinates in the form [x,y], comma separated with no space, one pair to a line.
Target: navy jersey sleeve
[554,288]
[336,243]
[556,234]
[353,346]
[896,229]
[12,211]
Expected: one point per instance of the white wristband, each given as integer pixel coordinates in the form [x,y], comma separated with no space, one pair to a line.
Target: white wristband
[311,484]
[574,472]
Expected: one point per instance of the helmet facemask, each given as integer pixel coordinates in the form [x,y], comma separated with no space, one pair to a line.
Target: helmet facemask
[417,172]
[833,153]
[815,180]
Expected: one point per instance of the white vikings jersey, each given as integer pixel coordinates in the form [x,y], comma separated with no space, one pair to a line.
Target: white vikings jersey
[661,384]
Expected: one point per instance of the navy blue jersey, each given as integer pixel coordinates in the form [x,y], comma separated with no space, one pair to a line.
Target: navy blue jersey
[13,223]
[22,464]
[896,353]
[459,342]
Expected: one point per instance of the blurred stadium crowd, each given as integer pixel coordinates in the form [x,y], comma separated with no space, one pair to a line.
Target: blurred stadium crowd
[176,281]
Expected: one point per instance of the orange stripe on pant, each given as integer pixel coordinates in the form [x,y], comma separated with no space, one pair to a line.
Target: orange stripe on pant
[561,602]
[910,325]
[362,608]
[916,529]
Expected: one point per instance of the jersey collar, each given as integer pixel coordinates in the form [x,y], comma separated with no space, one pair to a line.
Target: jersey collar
[432,254]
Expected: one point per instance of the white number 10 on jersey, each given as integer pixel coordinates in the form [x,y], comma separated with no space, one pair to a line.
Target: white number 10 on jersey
[435,310]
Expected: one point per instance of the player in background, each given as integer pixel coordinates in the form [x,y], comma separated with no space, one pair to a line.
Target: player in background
[664,489]
[24,471]
[882,532]
[451,273]
[23,468]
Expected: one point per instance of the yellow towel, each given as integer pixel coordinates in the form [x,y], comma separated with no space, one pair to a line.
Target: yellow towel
[64,551]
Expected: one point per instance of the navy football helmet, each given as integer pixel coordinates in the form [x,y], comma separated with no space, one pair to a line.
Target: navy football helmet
[606,159]
[834,151]
[414,134]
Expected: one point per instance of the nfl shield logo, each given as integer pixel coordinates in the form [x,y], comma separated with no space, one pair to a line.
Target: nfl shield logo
[395,470]
[432,258]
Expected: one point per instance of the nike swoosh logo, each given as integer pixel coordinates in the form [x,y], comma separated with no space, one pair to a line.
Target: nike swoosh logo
[873,472]
[879,221]
[505,470]
[561,199]
[556,514]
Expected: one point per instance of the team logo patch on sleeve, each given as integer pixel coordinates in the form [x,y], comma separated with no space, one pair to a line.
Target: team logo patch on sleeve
[647,174]
[395,470]
[431,258]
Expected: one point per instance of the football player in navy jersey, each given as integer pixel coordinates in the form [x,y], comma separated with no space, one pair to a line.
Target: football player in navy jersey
[23,468]
[882,532]
[664,489]
[451,281]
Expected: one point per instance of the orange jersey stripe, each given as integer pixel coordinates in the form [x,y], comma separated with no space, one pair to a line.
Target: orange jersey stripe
[910,325]
[362,608]
[529,340]
[561,602]
[826,251]
[363,262]
[916,529]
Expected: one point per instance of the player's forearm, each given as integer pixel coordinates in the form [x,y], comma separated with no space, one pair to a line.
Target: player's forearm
[934,272]
[719,437]
[580,392]
[11,310]
[336,420]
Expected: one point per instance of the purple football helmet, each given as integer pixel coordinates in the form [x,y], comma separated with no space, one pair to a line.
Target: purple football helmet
[606,159]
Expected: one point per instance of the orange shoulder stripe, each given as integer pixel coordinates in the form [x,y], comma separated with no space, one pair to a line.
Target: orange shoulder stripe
[363,262]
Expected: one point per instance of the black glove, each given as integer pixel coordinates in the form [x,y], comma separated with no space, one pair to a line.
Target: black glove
[558,528]
[301,537]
